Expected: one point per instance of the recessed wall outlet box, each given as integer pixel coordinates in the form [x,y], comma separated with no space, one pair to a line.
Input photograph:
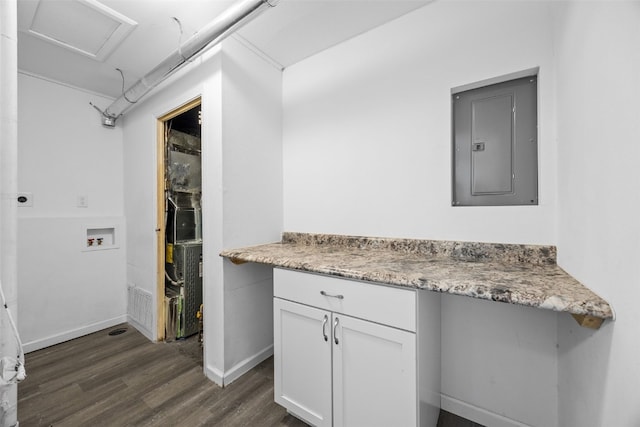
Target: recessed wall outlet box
[25,199]
[98,238]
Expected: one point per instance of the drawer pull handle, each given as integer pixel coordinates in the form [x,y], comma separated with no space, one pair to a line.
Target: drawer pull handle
[323,293]
[335,335]
[324,324]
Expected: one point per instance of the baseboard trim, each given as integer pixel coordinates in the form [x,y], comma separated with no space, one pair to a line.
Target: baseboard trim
[225,378]
[144,331]
[476,414]
[72,334]
[214,375]
[246,365]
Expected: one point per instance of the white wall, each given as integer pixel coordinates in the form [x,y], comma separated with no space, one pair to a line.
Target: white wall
[367,151]
[599,206]
[499,363]
[64,152]
[367,125]
[8,186]
[252,207]
[242,196]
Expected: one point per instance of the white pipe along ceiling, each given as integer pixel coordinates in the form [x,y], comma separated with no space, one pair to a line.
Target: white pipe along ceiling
[211,34]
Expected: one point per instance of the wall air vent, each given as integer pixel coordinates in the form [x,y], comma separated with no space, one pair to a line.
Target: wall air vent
[84,26]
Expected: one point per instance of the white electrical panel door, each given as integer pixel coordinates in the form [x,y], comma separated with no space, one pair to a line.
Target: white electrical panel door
[302,361]
[374,374]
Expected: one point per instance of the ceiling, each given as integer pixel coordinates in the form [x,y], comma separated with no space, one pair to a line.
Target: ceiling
[287,33]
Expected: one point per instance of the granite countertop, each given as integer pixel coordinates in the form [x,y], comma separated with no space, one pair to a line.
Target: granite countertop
[517,274]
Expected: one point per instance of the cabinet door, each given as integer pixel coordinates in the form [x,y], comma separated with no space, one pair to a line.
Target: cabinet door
[302,361]
[374,374]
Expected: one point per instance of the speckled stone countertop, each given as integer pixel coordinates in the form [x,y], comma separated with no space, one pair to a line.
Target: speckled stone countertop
[516,274]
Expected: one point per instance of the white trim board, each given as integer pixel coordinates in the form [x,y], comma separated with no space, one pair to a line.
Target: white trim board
[498,79]
[241,368]
[476,414]
[72,334]
[140,328]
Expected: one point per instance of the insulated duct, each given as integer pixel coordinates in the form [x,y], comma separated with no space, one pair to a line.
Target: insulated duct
[213,33]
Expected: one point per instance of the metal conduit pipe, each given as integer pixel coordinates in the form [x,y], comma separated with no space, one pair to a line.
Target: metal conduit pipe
[211,34]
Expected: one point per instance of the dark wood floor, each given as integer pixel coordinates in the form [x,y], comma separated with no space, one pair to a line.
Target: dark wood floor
[125,380]
[447,419]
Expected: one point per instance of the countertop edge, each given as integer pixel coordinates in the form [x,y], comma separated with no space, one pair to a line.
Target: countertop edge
[593,306]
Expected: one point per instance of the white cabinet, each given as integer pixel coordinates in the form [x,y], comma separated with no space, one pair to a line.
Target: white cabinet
[302,361]
[374,374]
[351,353]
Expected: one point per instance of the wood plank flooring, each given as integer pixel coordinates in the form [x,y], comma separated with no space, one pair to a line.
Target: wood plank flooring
[447,419]
[125,380]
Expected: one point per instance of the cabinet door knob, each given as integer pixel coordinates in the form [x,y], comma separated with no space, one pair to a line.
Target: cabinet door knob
[324,324]
[323,293]
[335,335]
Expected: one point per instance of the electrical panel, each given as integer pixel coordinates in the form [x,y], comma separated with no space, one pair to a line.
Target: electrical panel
[495,145]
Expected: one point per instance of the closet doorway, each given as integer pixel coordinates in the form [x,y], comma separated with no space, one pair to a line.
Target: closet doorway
[179,231]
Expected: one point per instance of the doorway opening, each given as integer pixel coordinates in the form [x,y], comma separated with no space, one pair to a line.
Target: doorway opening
[179,304]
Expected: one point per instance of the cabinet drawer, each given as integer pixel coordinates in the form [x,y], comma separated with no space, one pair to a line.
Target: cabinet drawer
[377,303]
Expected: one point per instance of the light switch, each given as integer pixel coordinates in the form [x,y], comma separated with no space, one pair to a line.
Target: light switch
[83,201]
